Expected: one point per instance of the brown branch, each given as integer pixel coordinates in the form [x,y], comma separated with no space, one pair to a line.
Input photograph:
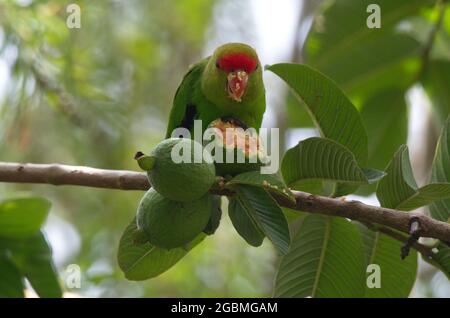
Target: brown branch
[57,174]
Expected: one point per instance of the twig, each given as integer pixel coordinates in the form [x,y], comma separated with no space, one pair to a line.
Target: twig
[66,101]
[58,174]
[422,249]
[441,6]
[414,231]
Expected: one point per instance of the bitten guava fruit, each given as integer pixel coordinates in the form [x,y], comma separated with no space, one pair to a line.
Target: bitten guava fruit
[170,224]
[179,169]
[235,149]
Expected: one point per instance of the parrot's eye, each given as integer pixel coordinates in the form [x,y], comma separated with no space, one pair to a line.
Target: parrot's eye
[217,64]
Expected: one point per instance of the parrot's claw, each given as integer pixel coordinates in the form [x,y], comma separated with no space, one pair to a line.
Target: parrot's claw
[235,121]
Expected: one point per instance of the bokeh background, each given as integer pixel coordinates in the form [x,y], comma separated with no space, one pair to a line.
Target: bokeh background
[95,95]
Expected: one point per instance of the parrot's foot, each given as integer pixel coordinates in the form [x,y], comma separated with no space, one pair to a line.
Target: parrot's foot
[234,121]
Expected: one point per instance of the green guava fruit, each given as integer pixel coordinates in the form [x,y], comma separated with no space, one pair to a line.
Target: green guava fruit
[234,148]
[170,224]
[180,181]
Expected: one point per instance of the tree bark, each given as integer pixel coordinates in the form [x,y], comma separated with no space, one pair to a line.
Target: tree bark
[58,174]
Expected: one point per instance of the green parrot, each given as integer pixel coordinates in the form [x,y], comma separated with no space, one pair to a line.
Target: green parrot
[227,84]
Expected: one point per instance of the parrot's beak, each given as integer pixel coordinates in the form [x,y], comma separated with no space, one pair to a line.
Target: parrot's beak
[237,83]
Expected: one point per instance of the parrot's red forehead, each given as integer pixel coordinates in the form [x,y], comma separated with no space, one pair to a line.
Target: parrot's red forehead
[237,61]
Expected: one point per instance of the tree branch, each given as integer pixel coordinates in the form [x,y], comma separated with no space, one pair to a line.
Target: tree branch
[57,174]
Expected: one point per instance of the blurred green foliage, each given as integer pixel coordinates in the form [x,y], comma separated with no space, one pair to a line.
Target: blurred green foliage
[94,96]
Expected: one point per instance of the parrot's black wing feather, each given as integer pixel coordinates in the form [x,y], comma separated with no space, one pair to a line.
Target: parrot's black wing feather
[189,115]
[184,111]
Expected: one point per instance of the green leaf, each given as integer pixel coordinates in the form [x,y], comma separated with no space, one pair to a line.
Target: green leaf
[435,82]
[331,110]
[326,259]
[333,113]
[399,184]
[344,26]
[440,258]
[266,213]
[440,172]
[339,42]
[11,282]
[216,215]
[398,190]
[397,275]
[33,257]
[271,182]
[313,186]
[244,223]
[360,73]
[324,159]
[373,175]
[296,116]
[384,116]
[144,261]
[386,122]
[23,217]
[429,193]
